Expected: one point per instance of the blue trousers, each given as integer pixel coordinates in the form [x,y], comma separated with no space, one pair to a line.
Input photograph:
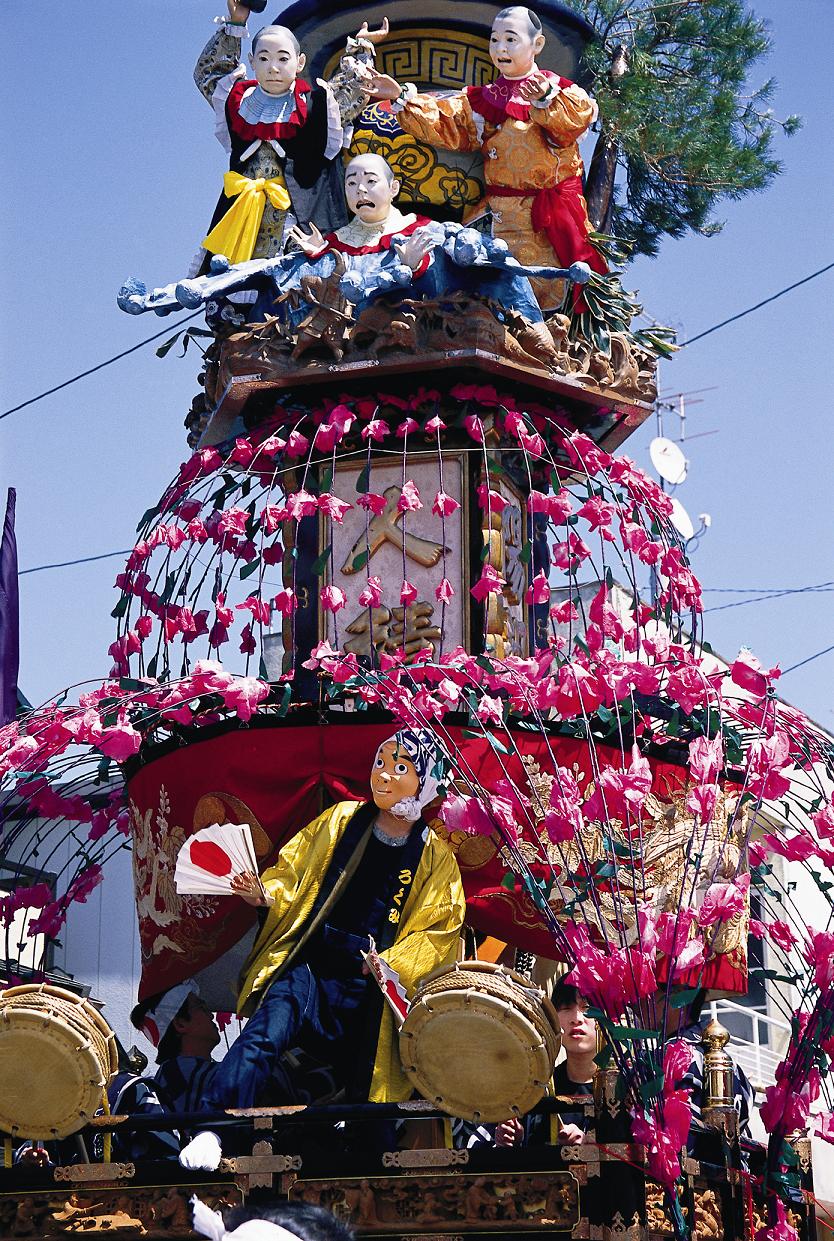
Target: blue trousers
[299,1009]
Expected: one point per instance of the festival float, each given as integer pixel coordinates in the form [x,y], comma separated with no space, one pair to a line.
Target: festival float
[403,512]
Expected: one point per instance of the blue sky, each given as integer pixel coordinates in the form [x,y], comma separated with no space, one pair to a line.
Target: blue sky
[113,170]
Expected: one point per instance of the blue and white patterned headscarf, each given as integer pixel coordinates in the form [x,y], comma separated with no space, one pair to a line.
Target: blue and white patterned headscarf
[423,750]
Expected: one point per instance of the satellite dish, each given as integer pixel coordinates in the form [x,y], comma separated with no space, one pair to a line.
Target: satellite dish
[668,460]
[681,520]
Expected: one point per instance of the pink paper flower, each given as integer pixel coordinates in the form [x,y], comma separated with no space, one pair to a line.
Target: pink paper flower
[273,515]
[297,444]
[747,672]
[409,501]
[444,505]
[333,598]
[489,583]
[408,593]
[492,500]
[724,901]
[371,596]
[121,741]
[333,507]
[244,696]
[597,512]
[407,427]
[258,607]
[819,953]
[444,593]
[570,554]
[301,504]
[372,502]
[466,814]
[232,521]
[376,429]
[539,590]
[564,613]
[474,427]
[243,452]
[706,758]
[434,425]
[285,602]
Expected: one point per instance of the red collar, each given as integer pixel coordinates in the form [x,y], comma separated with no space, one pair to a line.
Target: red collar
[496,102]
[384,243]
[279,131]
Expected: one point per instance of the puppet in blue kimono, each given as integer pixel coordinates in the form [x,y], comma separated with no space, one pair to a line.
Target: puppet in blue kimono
[361,870]
[282,134]
[385,254]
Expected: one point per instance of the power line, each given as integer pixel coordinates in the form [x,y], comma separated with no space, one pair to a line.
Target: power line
[809,660]
[758,590]
[66,564]
[778,594]
[758,305]
[150,339]
[92,370]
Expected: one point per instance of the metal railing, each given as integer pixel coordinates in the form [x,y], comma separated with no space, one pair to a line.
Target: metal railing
[761,1052]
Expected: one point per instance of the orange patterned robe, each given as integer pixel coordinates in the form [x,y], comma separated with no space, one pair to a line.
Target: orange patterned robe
[532,166]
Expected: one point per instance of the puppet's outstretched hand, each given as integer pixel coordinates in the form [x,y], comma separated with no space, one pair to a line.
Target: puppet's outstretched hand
[310,243]
[374,36]
[238,12]
[379,85]
[250,888]
[535,87]
[414,249]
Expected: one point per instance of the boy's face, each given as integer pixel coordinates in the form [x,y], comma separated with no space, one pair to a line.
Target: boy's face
[276,63]
[393,777]
[513,46]
[368,191]
[579,1031]
[199,1023]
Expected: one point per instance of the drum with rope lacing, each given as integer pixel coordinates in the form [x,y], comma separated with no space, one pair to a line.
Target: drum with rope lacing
[479,1041]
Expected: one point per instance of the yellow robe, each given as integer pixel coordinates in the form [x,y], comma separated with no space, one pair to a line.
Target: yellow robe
[529,155]
[427,935]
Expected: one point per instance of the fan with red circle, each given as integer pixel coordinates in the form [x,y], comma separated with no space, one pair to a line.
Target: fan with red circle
[211,858]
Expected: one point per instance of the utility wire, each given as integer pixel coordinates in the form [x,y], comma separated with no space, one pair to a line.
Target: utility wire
[66,564]
[100,367]
[809,660]
[758,306]
[778,594]
[757,590]
[150,339]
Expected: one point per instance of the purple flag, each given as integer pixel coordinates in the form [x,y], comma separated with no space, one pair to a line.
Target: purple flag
[9,616]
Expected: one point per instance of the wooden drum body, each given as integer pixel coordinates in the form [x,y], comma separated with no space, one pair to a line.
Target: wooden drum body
[480,1041]
[57,1054]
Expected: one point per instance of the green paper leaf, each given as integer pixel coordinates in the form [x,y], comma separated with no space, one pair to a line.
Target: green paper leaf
[168,345]
[363,482]
[147,516]
[250,568]
[652,1089]
[682,998]
[526,553]
[361,560]
[508,882]
[121,607]
[322,561]
[624,1034]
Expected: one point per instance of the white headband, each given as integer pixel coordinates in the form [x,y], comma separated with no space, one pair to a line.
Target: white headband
[210,1224]
[157,1021]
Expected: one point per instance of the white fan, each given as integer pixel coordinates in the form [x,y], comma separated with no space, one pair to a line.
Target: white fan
[212,857]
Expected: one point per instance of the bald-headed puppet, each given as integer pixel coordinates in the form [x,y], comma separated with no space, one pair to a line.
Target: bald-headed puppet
[283,136]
